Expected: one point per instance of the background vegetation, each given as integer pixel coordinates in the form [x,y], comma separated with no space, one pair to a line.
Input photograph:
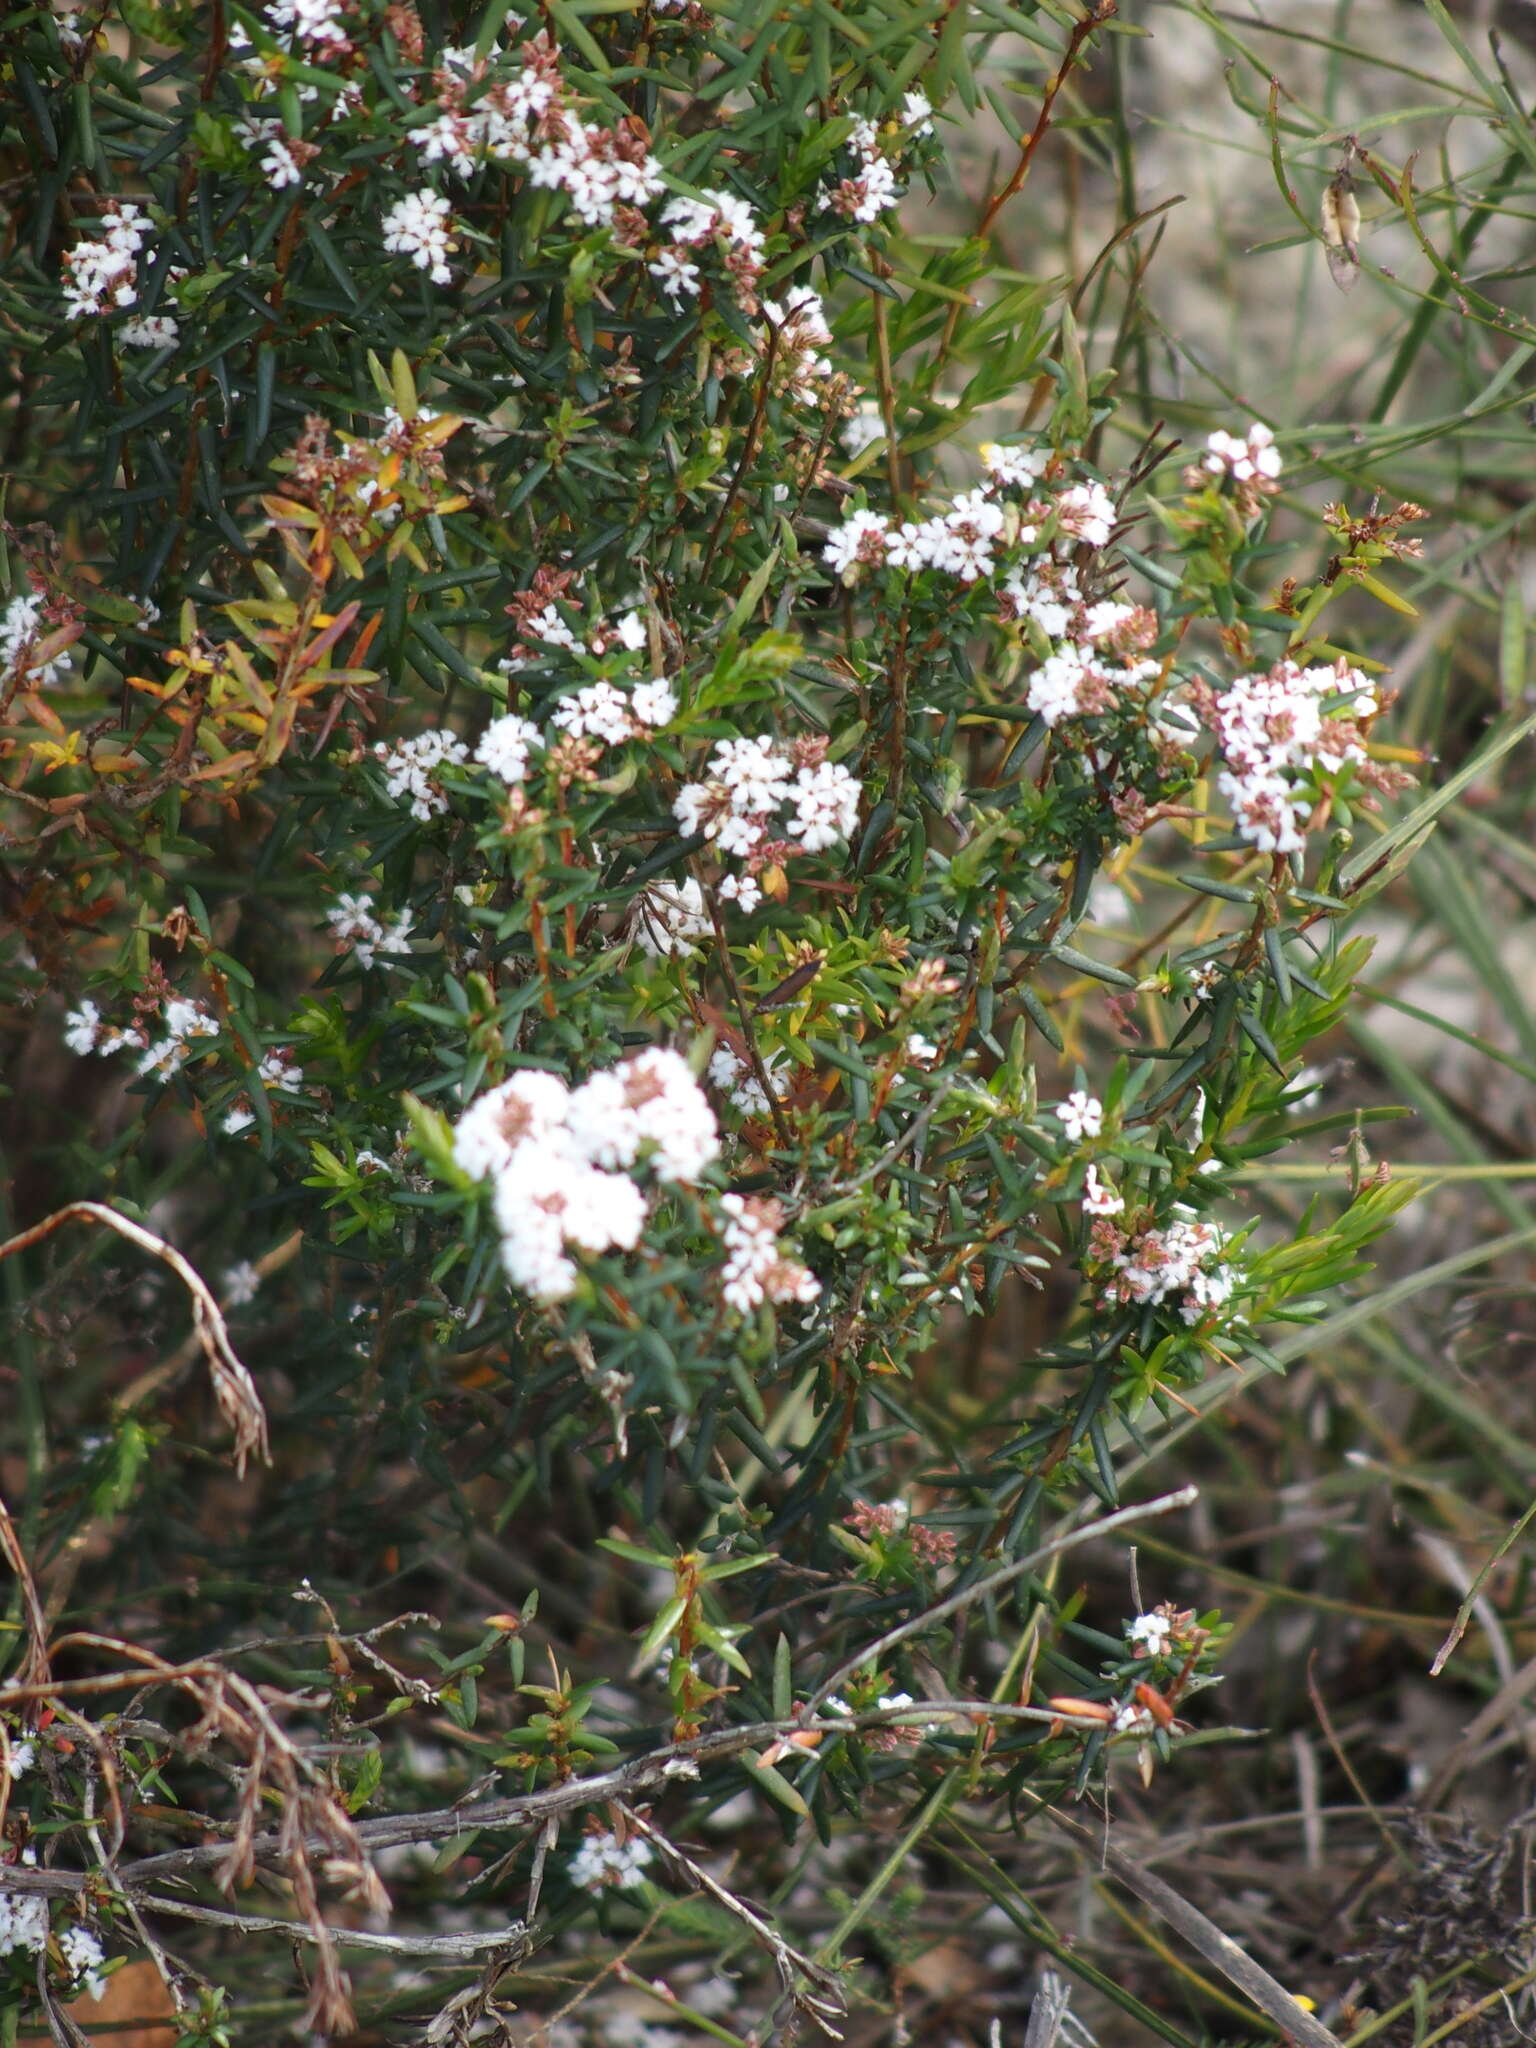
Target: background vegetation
[1115,239]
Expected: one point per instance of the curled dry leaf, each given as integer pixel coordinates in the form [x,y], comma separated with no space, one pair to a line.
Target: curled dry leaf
[1341,228]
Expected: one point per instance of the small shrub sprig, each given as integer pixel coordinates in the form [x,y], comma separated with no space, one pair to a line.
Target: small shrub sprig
[572,692]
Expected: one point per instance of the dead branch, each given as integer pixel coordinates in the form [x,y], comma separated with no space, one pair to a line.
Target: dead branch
[233,1387]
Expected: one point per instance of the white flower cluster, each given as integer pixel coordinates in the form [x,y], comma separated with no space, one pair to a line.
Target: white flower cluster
[22,625]
[740,1085]
[1010,467]
[23,1921]
[561,1160]
[748,781]
[22,1757]
[1160,1264]
[412,769]
[603,1862]
[958,542]
[667,918]
[1276,728]
[1253,460]
[103,275]
[601,712]
[1080,1116]
[354,925]
[965,542]
[283,157]
[756,1266]
[798,323]
[863,429]
[87,1031]
[184,1019]
[1150,1634]
[719,218]
[418,225]
[504,746]
[83,1957]
[523,120]
[871,190]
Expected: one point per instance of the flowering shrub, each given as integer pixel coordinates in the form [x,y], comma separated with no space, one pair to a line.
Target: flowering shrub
[572,697]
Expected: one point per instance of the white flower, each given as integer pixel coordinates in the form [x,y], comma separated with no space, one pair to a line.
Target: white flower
[1255,459]
[154,330]
[1080,1116]
[1203,979]
[1058,688]
[23,1756]
[826,800]
[22,625]
[503,747]
[598,712]
[743,889]
[630,632]
[353,924]
[1108,903]
[669,916]
[754,772]
[1087,512]
[276,1071]
[654,703]
[240,1283]
[921,1051]
[913,547]
[23,1922]
[1150,1634]
[1011,468]
[312,22]
[1131,1720]
[603,1862]
[917,112]
[82,1028]
[550,1154]
[417,226]
[865,428]
[279,165]
[859,543]
[650,1104]
[677,276]
[531,1104]
[1049,595]
[1099,1199]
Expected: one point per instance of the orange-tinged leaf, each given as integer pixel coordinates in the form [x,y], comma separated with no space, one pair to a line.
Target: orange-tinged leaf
[232,764]
[437,431]
[286,511]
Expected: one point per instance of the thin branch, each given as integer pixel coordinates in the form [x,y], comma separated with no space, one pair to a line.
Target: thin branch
[447,1948]
[233,1387]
